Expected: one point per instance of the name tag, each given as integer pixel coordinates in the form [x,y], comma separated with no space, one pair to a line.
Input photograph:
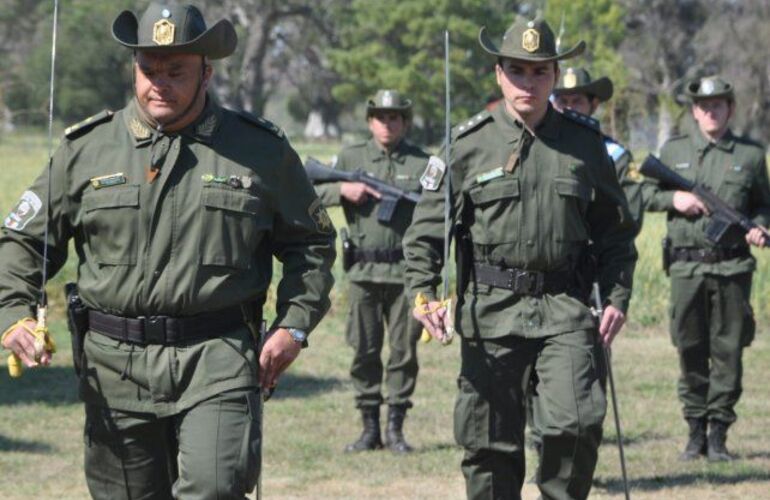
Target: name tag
[488,176]
[682,166]
[108,180]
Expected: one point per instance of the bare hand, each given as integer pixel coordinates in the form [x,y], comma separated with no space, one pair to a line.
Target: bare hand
[431,315]
[358,192]
[279,351]
[689,204]
[612,321]
[756,237]
[22,344]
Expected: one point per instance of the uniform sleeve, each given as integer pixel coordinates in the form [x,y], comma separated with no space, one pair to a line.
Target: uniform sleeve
[612,233]
[760,195]
[655,198]
[329,192]
[631,188]
[304,243]
[22,241]
[424,239]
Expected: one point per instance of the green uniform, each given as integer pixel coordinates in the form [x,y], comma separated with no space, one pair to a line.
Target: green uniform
[711,318]
[538,220]
[376,290]
[231,194]
[623,160]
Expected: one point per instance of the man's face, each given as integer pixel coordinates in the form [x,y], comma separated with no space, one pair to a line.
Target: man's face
[526,86]
[166,84]
[712,115]
[387,127]
[576,102]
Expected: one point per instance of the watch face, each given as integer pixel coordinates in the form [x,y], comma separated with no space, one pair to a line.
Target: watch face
[297,335]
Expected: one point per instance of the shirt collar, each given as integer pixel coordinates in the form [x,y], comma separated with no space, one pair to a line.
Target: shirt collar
[725,143]
[202,129]
[513,128]
[377,152]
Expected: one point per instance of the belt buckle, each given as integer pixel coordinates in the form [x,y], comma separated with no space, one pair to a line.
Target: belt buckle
[154,329]
[708,257]
[527,282]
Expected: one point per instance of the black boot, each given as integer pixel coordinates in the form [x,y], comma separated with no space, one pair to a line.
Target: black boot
[370,438]
[696,445]
[717,451]
[394,434]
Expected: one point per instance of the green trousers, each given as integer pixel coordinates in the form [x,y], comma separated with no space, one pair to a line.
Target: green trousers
[210,451]
[375,307]
[568,404]
[711,322]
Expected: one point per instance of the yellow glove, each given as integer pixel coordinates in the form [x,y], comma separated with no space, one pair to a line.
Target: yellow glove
[43,343]
[421,306]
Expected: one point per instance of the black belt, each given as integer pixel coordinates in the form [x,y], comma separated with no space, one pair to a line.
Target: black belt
[386,255]
[707,255]
[165,330]
[524,282]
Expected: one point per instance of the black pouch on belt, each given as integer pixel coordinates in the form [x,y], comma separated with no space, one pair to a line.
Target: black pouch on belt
[77,322]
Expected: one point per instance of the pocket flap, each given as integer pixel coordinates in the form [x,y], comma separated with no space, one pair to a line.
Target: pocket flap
[493,191]
[566,186]
[231,200]
[125,196]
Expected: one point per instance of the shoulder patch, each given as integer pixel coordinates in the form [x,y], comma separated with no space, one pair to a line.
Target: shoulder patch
[469,125]
[80,128]
[582,119]
[614,149]
[262,123]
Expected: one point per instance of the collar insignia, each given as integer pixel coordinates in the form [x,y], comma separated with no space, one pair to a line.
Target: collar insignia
[138,129]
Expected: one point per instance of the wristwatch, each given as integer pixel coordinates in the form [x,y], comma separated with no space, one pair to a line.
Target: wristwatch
[299,336]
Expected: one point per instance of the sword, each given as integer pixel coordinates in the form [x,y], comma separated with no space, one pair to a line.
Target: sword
[43,341]
[598,311]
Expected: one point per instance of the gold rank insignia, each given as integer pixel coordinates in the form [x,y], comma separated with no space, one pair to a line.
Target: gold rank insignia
[530,40]
[570,79]
[163,32]
[138,129]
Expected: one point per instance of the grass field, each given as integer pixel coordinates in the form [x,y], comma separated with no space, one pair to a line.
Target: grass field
[311,417]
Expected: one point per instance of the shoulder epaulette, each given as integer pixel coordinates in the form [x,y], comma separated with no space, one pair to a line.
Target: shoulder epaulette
[469,125]
[582,119]
[262,123]
[614,148]
[80,128]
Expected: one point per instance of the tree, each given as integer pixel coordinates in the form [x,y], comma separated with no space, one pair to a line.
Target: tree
[400,44]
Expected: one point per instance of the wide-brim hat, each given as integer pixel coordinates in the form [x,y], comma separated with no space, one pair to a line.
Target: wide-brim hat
[389,100]
[528,40]
[173,28]
[578,81]
[709,87]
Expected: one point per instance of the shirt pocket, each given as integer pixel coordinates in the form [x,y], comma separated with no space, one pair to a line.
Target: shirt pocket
[496,211]
[569,210]
[233,225]
[111,224]
[735,189]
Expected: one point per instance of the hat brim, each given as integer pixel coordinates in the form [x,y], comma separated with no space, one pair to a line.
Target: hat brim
[217,42]
[407,106]
[489,46]
[692,92]
[601,89]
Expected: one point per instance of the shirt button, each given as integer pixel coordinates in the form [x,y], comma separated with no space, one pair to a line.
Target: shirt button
[530,243]
[156,273]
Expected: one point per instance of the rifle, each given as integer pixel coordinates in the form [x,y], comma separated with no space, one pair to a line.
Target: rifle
[722,215]
[318,173]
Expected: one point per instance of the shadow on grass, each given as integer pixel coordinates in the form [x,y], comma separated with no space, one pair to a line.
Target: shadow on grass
[9,444]
[655,483]
[300,386]
[55,385]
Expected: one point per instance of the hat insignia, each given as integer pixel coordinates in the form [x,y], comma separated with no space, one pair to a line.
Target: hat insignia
[387,99]
[570,79]
[530,40]
[163,32]
[707,87]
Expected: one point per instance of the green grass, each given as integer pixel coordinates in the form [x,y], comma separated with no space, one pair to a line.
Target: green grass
[312,417]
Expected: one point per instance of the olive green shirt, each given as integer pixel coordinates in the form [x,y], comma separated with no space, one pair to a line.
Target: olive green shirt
[540,217]
[734,168]
[632,188]
[230,195]
[402,168]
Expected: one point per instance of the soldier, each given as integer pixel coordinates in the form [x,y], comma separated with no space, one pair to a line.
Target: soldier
[577,92]
[176,206]
[376,276]
[530,188]
[711,317]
